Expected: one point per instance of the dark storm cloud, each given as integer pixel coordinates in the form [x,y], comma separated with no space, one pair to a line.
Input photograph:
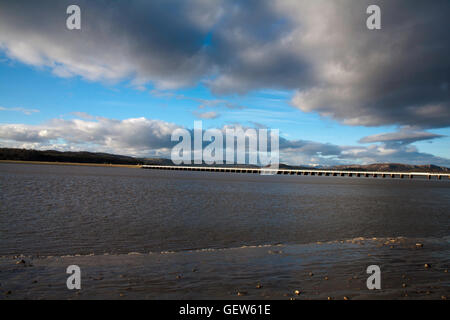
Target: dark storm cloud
[320,49]
[309,147]
[404,136]
[147,41]
[396,75]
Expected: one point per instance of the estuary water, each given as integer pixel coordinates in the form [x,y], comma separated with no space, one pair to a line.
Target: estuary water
[144,234]
[66,210]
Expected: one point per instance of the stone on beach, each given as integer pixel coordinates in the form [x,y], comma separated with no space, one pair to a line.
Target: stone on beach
[275,251]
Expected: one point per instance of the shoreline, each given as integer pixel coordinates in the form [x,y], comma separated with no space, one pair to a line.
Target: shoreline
[213,168]
[71,163]
[317,271]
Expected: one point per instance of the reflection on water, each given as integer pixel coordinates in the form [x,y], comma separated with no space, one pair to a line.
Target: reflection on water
[58,210]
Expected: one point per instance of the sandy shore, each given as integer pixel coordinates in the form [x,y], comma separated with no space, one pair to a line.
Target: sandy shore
[334,270]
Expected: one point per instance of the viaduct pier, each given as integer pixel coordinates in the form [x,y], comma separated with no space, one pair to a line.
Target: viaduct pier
[303,172]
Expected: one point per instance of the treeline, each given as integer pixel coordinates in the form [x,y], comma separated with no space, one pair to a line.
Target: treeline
[76,157]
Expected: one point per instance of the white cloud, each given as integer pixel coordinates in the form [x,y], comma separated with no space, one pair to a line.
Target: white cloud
[21,110]
[147,137]
[135,136]
[206,115]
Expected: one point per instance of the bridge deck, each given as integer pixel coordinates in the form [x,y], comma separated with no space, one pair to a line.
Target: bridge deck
[305,172]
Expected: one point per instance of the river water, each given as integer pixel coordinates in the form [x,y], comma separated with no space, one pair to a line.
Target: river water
[139,234]
[59,210]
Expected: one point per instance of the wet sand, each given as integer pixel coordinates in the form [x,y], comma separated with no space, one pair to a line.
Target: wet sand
[333,270]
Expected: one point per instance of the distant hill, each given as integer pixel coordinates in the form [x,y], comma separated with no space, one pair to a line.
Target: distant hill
[398,167]
[76,157]
[93,157]
[385,167]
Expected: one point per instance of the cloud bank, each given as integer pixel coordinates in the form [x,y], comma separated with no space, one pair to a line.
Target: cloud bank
[321,50]
[148,138]
[135,136]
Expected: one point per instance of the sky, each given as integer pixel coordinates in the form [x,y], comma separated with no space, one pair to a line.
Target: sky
[137,70]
